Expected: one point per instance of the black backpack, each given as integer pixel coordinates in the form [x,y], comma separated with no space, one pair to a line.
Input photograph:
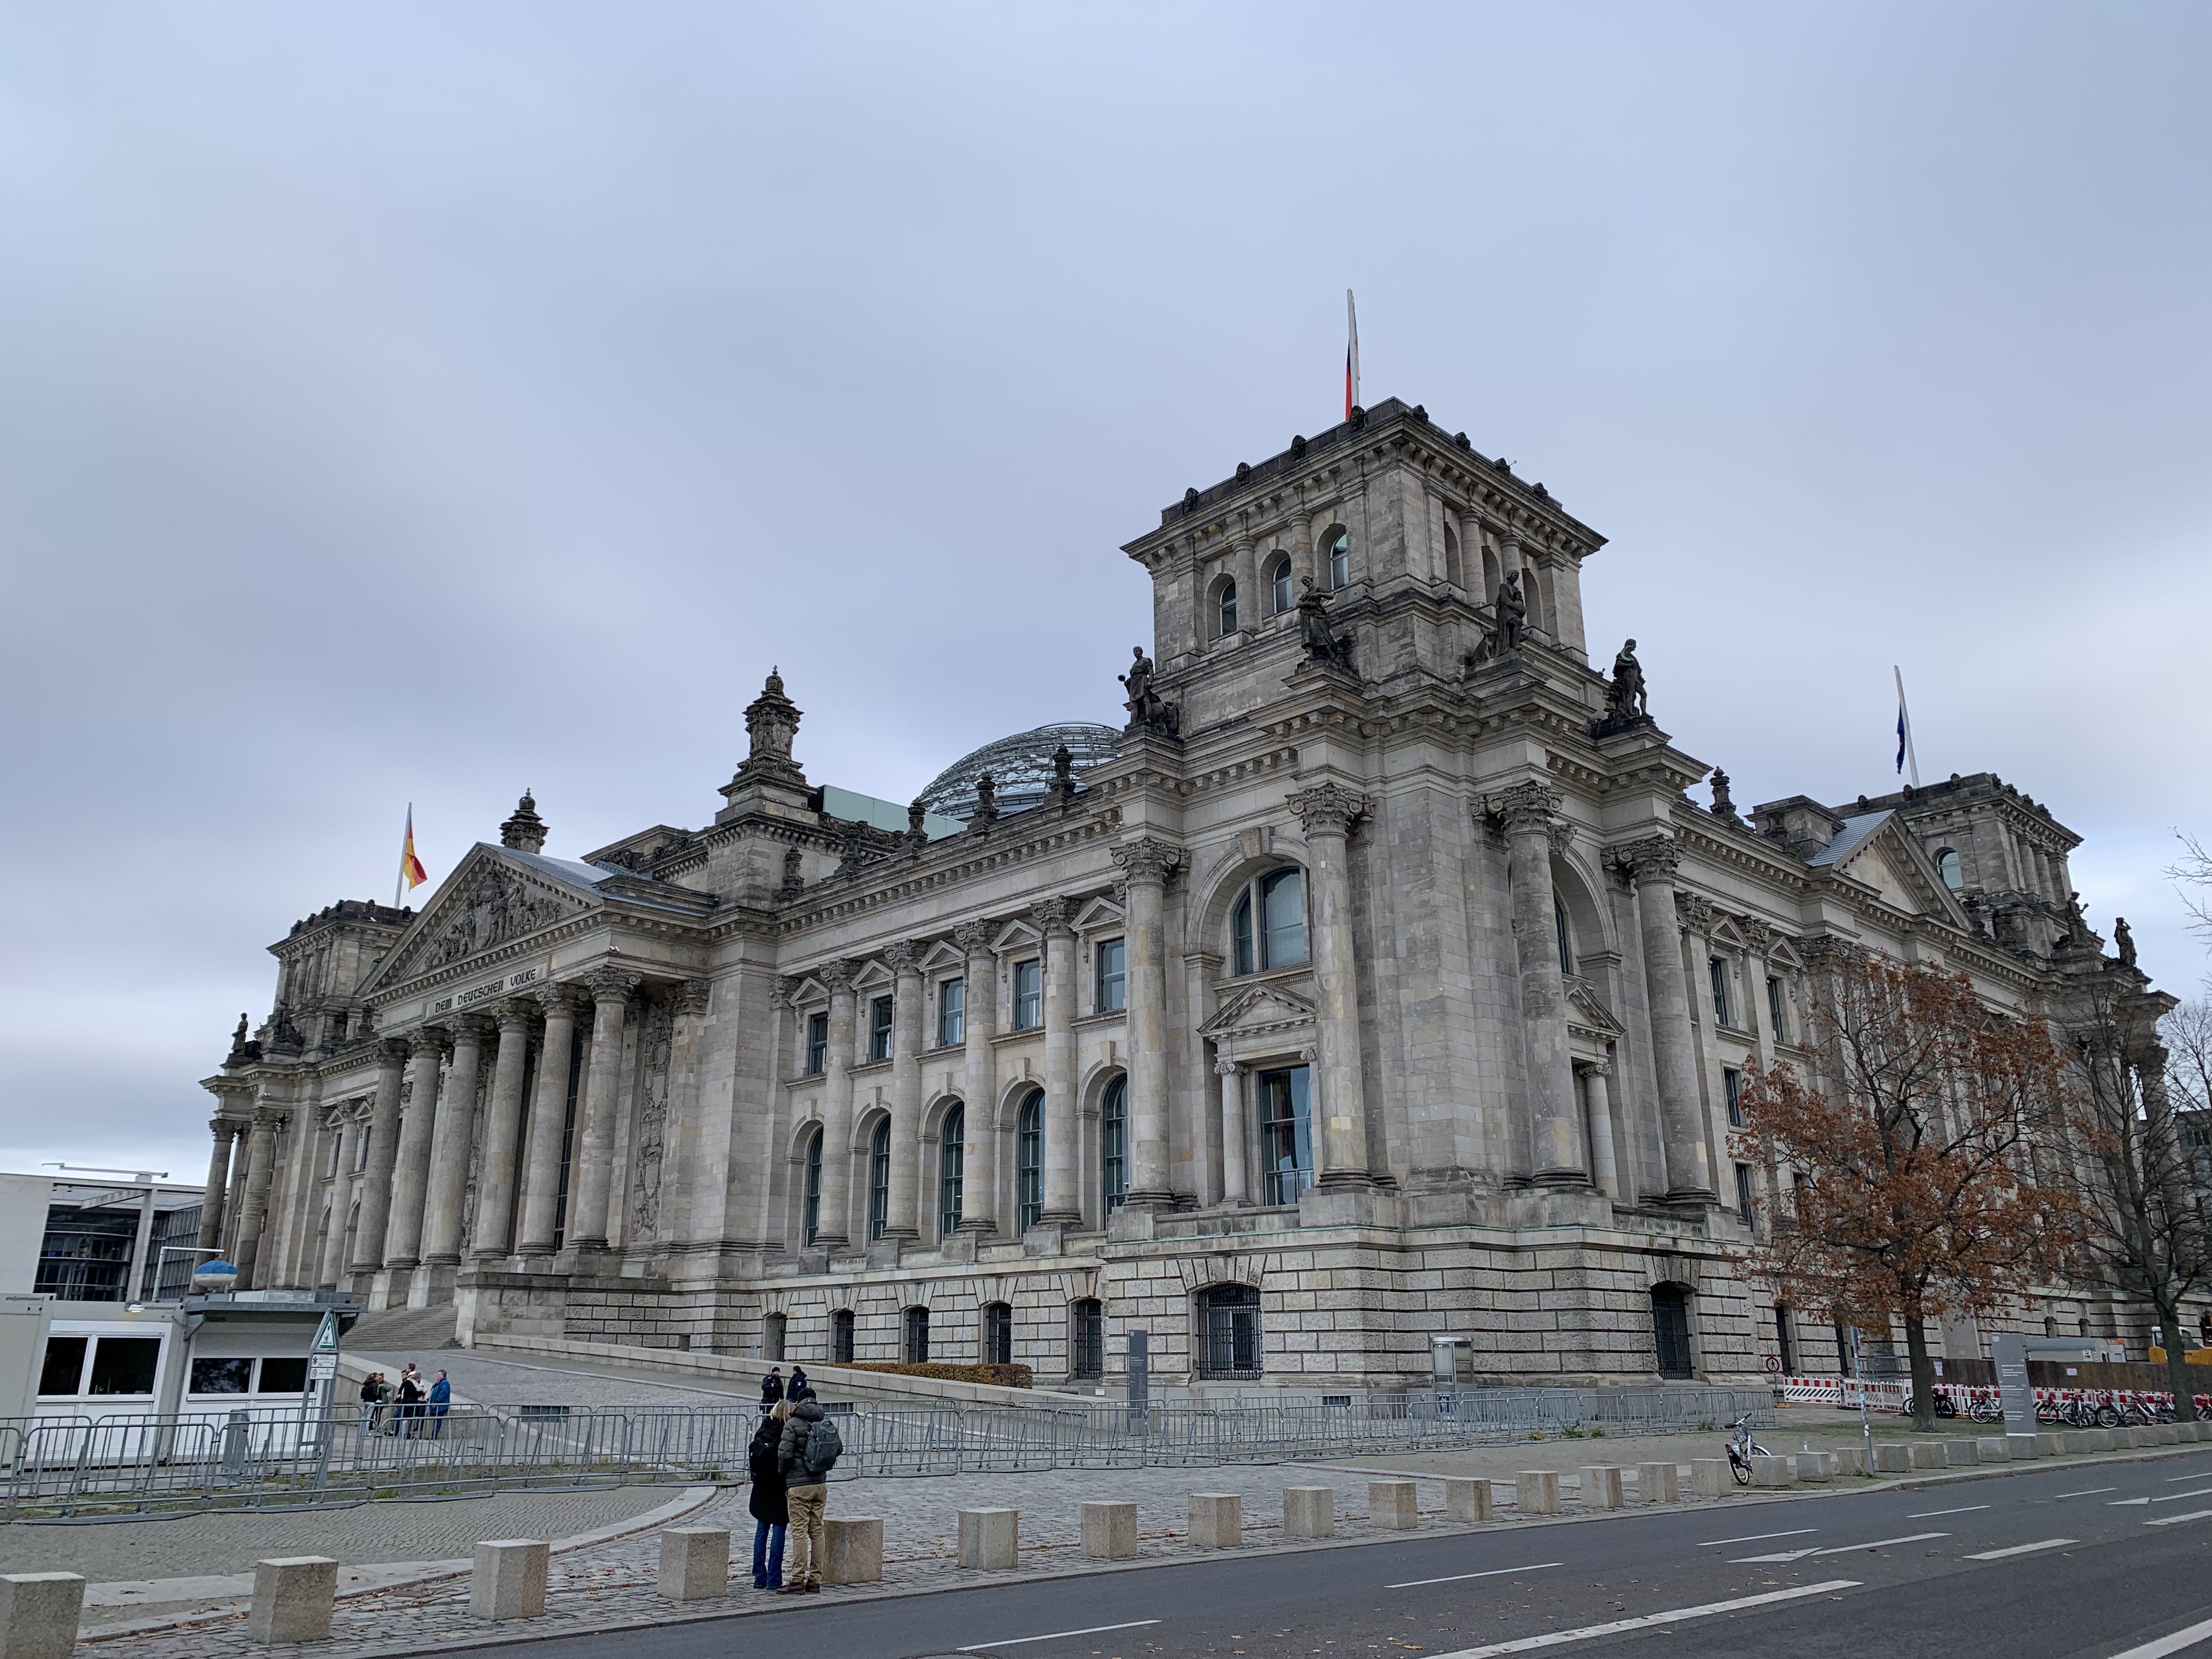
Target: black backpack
[823,1448]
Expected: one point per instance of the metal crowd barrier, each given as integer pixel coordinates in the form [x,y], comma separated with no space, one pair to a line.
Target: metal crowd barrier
[81,1468]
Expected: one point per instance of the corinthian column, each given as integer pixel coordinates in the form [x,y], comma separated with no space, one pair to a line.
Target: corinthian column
[1146,864]
[1329,810]
[224,1130]
[1529,812]
[412,1175]
[549,1123]
[260,1166]
[383,1152]
[979,1197]
[449,1146]
[1651,863]
[1063,1201]
[498,1177]
[835,1214]
[905,1194]
[610,989]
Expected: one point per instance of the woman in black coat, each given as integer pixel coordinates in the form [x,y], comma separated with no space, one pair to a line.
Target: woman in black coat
[766,1501]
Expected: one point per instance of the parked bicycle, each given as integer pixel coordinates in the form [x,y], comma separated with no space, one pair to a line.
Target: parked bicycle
[1741,1448]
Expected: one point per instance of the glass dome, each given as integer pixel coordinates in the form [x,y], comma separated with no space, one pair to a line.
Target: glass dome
[1020,767]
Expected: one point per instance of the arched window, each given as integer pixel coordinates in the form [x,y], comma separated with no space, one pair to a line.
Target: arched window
[1114,1142]
[917,1336]
[771,1335]
[1029,1160]
[1948,867]
[1280,588]
[1454,571]
[998,1333]
[1566,939]
[1228,1331]
[879,1179]
[951,1151]
[1086,1338]
[1225,611]
[811,1222]
[1670,1330]
[1339,560]
[841,1337]
[1268,928]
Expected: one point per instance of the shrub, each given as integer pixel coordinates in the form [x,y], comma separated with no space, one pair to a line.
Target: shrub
[1004,1377]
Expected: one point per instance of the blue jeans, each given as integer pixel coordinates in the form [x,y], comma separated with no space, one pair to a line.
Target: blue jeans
[768,1556]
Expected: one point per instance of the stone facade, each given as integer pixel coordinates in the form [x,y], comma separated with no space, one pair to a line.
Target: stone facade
[1379,982]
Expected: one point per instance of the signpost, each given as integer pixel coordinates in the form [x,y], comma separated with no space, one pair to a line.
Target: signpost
[1140,1377]
[320,1404]
[2010,1355]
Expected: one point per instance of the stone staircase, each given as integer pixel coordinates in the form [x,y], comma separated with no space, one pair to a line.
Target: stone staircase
[404,1331]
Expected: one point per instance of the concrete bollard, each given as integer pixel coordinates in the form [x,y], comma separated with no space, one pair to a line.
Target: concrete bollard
[1658,1483]
[1927,1454]
[1770,1470]
[292,1599]
[1310,1512]
[1536,1491]
[695,1563]
[990,1540]
[1891,1457]
[2019,1446]
[1850,1459]
[1816,1467]
[1466,1499]
[1394,1506]
[1992,1449]
[39,1613]
[1710,1477]
[2169,1434]
[2075,1442]
[510,1579]
[1109,1531]
[854,1545]
[1961,1454]
[1601,1487]
[1217,1521]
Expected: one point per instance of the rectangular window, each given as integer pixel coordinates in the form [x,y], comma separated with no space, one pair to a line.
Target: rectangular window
[222,1376]
[125,1364]
[879,1029]
[1732,1086]
[1785,1341]
[1113,977]
[1743,1192]
[817,1044]
[1285,1134]
[1028,994]
[1778,1009]
[282,1376]
[951,1013]
[63,1371]
[1721,992]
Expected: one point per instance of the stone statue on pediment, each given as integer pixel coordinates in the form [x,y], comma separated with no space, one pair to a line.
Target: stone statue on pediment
[1148,710]
[1322,643]
[1508,616]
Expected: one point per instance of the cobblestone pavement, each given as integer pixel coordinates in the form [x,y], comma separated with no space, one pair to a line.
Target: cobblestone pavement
[477,1377]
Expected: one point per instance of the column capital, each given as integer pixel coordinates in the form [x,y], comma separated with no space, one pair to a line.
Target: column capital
[470,1028]
[557,1000]
[1757,935]
[1529,808]
[693,996]
[612,984]
[515,1013]
[974,937]
[428,1040]
[1054,915]
[1694,911]
[1147,860]
[225,1129]
[1649,860]
[903,957]
[1329,809]
[838,977]
[392,1051]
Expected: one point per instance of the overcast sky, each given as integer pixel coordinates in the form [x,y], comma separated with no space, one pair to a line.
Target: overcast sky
[416,403]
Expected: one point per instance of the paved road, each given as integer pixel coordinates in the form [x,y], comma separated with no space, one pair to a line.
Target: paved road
[2102,1560]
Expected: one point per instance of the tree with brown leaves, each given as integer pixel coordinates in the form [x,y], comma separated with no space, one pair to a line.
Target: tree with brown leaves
[1915,1144]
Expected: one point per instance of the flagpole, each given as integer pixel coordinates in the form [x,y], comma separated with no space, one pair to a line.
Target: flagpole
[1350,354]
[1904,726]
[399,881]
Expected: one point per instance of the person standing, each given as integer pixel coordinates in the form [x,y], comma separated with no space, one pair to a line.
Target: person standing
[442,1401]
[772,1388]
[411,1400]
[798,1386]
[770,1512]
[369,1397]
[807,1451]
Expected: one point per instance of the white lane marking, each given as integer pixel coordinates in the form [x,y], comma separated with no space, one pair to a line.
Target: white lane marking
[1780,1556]
[1930,1515]
[2173,1479]
[1589,1632]
[1753,1538]
[2122,1503]
[1880,1543]
[2201,1492]
[1495,1572]
[2087,1492]
[1053,1635]
[2175,1520]
[2165,1644]
[2019,1549]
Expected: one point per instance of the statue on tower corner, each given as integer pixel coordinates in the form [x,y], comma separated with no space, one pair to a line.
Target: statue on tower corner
[1723,806]
[1323,646]
[1063,776]
[771,726]
[1626,705]
[1509,614]
[2124,941]
[526,831]
[1148,710]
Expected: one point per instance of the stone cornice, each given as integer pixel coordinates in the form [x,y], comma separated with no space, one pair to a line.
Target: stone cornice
[965,858]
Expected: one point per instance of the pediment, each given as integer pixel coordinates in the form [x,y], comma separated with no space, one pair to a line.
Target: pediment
[1100,915]
[874,976]
[1255,1009]
[487,902]
[943,955]
[1015,936]
[1892,863]
[1586,1012]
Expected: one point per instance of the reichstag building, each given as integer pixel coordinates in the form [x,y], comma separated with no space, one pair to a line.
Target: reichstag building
[1377,980]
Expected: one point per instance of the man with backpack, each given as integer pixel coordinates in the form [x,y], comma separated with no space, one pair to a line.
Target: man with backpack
[808,1451]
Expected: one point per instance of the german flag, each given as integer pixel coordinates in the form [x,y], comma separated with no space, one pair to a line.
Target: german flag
[411,872]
